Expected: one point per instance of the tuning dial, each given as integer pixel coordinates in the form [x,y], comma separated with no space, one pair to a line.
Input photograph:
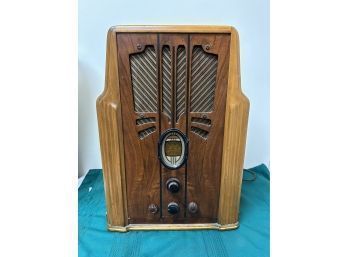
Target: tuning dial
[173,185]
[153,208]
[173,208]
[192,207]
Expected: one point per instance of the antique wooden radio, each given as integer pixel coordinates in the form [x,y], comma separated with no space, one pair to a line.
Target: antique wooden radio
[172,125]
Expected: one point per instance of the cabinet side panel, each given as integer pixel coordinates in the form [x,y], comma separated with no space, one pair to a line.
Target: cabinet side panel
[236,120]
[111,139]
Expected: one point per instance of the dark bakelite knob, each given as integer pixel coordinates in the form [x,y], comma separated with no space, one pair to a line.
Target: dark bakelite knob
[192,207]
[173,185]
[153,208]
[173,208]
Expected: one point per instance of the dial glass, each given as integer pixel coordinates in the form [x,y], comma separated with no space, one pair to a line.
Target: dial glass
[173,147]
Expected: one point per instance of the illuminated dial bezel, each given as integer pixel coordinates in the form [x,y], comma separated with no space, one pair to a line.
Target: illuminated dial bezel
[176,164]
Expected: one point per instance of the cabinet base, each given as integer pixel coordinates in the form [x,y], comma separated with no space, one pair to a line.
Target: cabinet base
[215,226]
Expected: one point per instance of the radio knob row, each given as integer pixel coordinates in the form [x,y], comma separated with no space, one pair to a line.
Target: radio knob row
[173,186]
[173,208]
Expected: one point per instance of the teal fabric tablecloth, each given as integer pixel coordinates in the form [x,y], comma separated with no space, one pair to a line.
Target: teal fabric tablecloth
[250,239]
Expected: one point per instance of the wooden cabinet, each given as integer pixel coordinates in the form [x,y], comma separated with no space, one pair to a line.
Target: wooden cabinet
[172,124]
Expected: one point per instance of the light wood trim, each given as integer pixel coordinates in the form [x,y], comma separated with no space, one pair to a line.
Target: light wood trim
[211,226]
[111,138]
[236,121]
[173,29]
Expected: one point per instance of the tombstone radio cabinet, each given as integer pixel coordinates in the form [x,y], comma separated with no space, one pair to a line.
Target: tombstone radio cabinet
[172,124]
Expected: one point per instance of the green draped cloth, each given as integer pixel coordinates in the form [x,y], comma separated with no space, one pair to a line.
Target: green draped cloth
[250,239]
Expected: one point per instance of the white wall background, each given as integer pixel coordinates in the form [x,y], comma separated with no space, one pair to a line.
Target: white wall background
[249,17]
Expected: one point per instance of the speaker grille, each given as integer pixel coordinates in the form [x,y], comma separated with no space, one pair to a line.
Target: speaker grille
[146,132]
[144,80]
[203,121]
[180,82]
[204,70]
[145,120]
[200,132]
[166,81]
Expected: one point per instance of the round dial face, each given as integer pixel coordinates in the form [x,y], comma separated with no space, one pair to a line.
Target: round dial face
[173,149]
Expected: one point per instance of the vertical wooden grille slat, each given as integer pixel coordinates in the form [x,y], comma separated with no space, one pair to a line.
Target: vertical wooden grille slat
[203,82]
[180,82]
[166,81]
[144,80]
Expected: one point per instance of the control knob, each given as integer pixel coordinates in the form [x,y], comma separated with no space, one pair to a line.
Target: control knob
[153,208]
[173,208]
[173,185]
[192,207]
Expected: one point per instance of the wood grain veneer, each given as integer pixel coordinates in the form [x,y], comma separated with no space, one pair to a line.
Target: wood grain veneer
[133,175]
